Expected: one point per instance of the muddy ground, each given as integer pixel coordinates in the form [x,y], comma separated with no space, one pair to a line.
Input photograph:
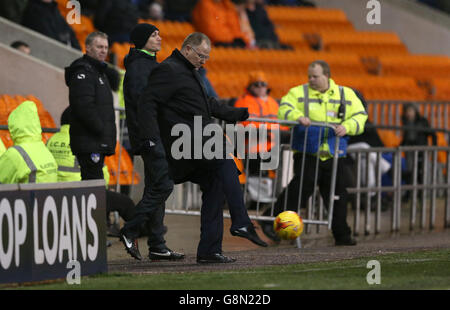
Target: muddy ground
[183,235]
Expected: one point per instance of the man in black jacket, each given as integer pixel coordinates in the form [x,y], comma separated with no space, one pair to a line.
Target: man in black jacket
[175,95]
[139,63]
[93,127]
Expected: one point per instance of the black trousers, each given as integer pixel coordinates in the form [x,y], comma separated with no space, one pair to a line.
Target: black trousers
[339,225]
[92,170]
[151,209]
[91,165]
[218,185]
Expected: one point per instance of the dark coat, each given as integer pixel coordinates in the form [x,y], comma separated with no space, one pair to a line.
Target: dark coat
[138,67]
[174,95]
[116,16]
[261,24]
[417,131]
[46,19]
[92,118]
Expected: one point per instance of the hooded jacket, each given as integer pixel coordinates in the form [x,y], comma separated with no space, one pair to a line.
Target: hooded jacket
[138,67]
[28,160]
[93,127]
[418,129]
[2,147]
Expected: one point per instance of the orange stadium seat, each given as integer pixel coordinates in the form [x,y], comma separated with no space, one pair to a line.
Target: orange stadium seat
[6,138]
[300,19]
[9,102]
[363,43]
[419,66]
[126,168]
[119,51]
[440,88]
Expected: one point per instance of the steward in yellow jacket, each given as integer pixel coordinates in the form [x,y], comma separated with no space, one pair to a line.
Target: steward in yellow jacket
[28,160]
[338,105]
[321,100]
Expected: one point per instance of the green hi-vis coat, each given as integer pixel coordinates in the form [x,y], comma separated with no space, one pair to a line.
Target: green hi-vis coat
[303,101]
[68,166]
[2,147]
[28,160]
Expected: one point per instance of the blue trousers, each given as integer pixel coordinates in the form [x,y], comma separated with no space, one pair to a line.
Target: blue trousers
[218,185]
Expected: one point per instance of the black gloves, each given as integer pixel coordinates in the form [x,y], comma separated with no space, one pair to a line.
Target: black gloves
[147,145]
[242,114]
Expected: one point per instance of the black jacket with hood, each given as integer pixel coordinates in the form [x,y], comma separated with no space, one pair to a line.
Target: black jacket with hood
[92,118]
[138,67]
[418,130]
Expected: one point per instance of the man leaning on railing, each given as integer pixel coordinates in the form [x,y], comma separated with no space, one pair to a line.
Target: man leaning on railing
[321,100]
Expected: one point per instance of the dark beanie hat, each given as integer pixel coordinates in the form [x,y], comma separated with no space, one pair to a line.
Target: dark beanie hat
[140,34]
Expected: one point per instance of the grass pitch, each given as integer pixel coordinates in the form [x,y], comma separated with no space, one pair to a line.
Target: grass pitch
[405,271]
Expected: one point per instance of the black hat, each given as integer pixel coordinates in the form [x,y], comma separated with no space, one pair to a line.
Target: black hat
[140,34]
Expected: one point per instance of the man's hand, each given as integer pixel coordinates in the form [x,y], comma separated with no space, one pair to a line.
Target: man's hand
[243,114]
[340,130]
[147,145]
[305,121]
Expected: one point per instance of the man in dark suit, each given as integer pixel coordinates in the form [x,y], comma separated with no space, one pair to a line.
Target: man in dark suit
[175,95]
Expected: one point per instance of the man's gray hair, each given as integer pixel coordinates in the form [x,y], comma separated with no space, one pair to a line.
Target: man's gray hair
[195,39]
[91,37]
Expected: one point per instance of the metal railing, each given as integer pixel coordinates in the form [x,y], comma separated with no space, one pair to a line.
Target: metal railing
[189,195]
[427,181]
[423,179]
[389,112]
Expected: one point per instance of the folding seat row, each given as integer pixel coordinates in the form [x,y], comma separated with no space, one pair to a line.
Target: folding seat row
[440,88]
[290,13]
[9,102]
[419,66]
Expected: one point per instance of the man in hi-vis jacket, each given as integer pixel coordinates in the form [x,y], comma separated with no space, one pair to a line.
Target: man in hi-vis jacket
[320,100]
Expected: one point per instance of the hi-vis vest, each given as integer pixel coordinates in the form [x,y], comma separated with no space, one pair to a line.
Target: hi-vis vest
[337,105]
[68,166]
[59,146]
[2,147]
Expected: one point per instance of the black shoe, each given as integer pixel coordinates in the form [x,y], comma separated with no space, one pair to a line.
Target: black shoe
[267,229]
[165,254]
[249,233]
[131,245]
[345,241]
[216,258]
